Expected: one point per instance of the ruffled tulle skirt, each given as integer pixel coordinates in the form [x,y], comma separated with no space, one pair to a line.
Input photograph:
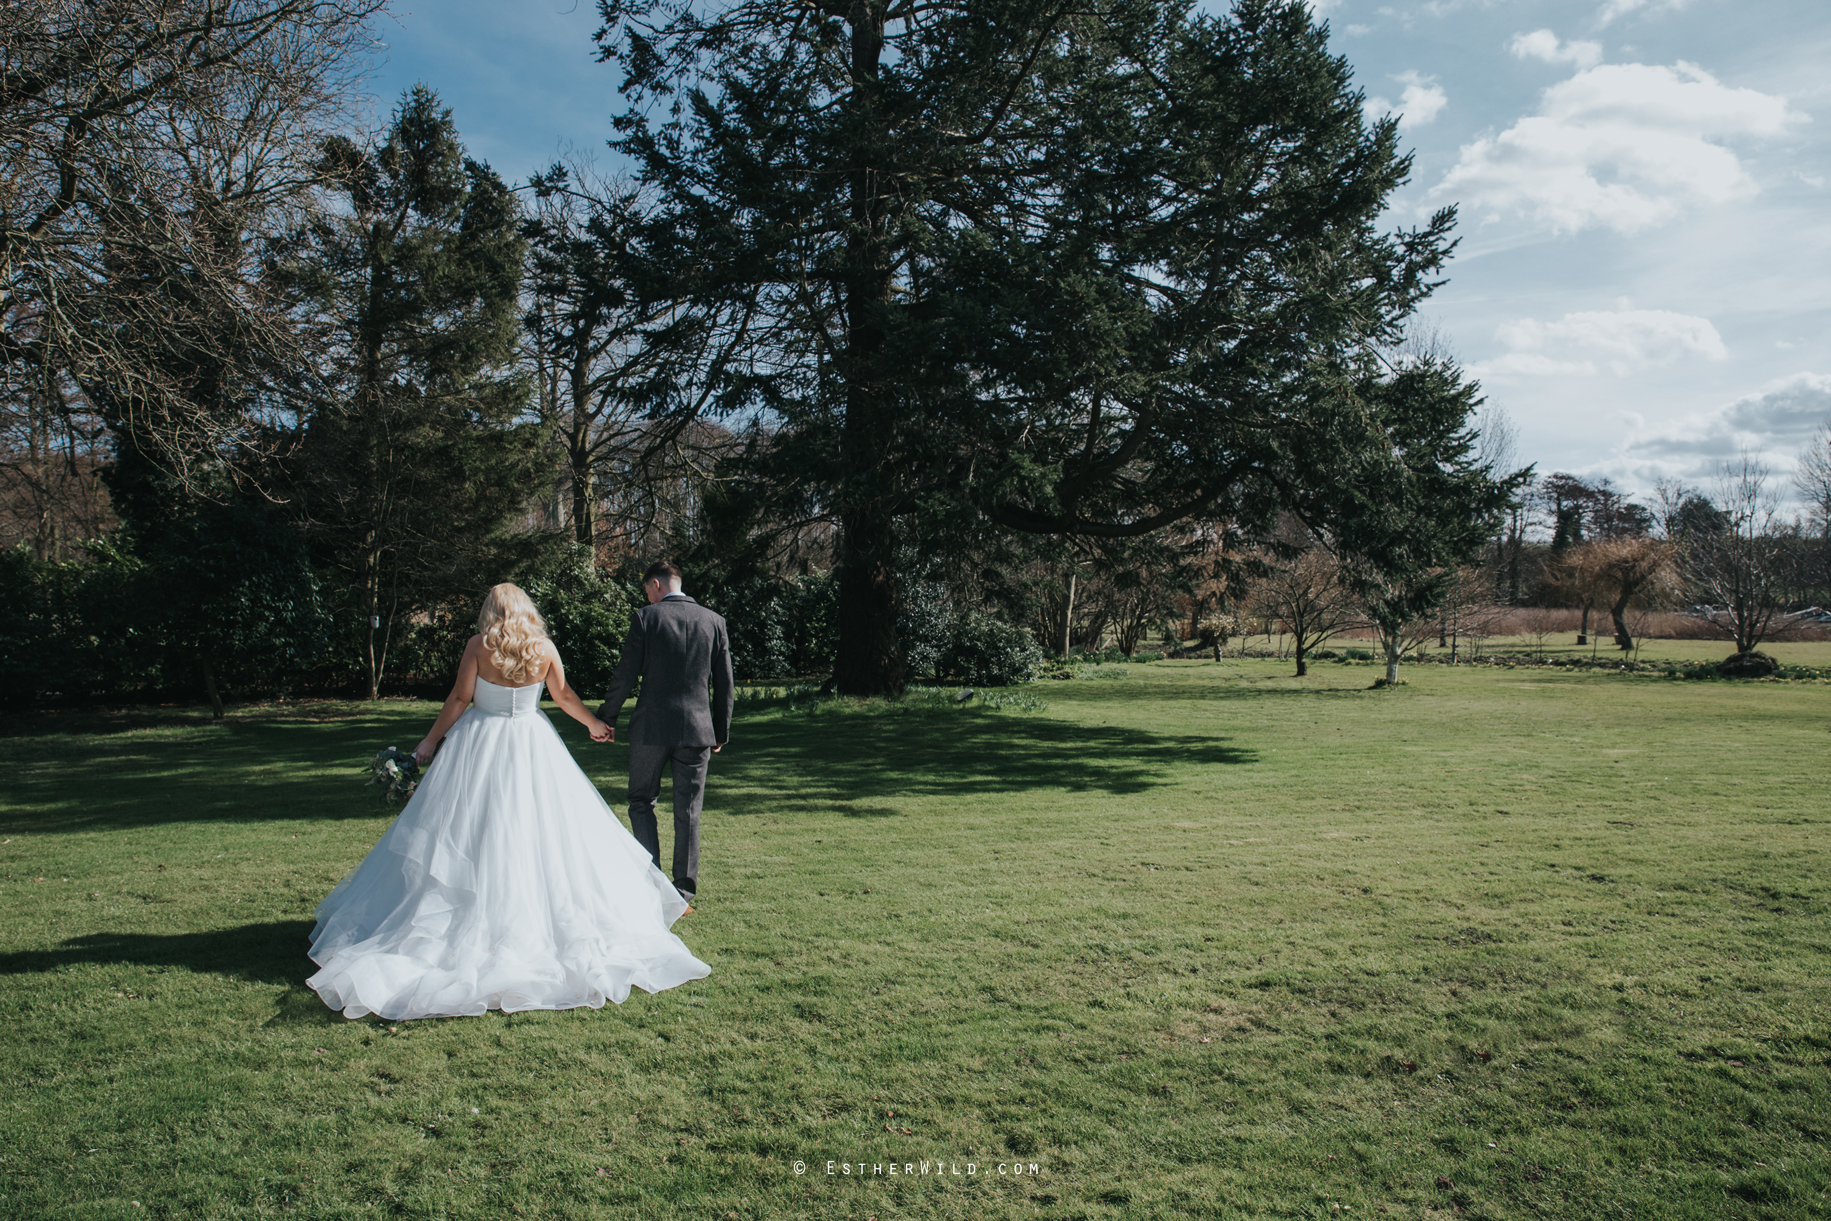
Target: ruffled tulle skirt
[506,883]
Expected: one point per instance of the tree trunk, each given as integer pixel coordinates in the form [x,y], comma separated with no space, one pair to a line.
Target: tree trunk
[584,505]
[1392,662]
[1583,631]
[1302,667]
[1068,614]
[584,484]
[209,686]
[870,659]
[371,660]
[1619,613]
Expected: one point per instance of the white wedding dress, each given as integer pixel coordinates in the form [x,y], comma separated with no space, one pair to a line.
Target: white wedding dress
[506,883]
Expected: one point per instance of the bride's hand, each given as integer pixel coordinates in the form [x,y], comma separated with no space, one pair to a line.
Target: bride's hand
[422,754]
[600,732]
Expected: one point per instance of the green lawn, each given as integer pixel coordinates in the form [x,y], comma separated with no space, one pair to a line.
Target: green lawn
[1203,941]
[1562,646]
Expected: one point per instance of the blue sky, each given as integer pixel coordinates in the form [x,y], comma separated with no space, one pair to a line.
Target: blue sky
[1644,279]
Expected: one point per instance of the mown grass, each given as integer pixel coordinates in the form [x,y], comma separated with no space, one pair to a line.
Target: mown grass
[1203,941]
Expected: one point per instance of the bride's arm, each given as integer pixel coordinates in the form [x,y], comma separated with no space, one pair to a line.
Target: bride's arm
[455,703]
[569,700]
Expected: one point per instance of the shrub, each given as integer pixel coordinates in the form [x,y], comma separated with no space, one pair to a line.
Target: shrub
[925,625]
[759,644]
[1747,665]
[779,626]
[587,617]
[991,653]
[220,586]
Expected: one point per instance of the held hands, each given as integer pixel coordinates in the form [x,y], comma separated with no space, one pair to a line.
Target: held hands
[600,732]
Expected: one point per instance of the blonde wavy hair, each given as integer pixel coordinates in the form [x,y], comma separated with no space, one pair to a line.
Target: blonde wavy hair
[513,632]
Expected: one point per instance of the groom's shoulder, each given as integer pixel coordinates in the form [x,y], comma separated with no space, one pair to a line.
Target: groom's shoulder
[704,613]
[684,608]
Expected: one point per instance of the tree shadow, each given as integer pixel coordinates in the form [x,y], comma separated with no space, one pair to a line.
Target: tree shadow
[1274,686]
[286,767]
[298,768]
[272,953]
[860,762]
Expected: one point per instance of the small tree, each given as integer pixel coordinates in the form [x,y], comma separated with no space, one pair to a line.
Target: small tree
[1312,596]
[1220,626]
[1632,572]
[1745,568]
[1541,621]
[1812,477]
[1466,610]
[1438,504]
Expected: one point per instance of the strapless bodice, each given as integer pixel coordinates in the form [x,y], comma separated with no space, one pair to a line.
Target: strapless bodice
[492,699]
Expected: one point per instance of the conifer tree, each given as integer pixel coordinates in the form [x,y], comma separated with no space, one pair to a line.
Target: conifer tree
[1082,270]
[417,459]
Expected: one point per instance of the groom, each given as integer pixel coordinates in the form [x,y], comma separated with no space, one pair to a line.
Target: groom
[676,647]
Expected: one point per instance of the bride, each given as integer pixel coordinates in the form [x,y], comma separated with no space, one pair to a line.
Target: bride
[506,882]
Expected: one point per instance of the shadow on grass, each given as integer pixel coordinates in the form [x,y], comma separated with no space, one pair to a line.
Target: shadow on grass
[271,953]
[287,768]
[1319,684]
[858,761]
[292,767]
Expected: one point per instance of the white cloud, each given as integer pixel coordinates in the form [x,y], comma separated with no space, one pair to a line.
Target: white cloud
[1544,45]
[1624,340]
[1775,422]
[1612,9]
[1621,145]
[1418,105]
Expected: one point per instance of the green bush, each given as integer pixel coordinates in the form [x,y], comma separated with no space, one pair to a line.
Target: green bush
[925,625]
[587,616]
[991,653]
[221,584]
[779,627]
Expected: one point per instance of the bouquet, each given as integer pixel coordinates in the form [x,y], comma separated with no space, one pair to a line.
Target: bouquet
[396,772]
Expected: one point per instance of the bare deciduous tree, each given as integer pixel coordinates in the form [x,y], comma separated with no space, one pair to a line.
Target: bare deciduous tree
[146,147]
[1626,572]
[1812,478]
[630,381]
[51,455]
[1467,611]
[1745,568]
[1310,595]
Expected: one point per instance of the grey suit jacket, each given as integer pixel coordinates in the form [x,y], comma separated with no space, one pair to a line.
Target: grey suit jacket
[675,646]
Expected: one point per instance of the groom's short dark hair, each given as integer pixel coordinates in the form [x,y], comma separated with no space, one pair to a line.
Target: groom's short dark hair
[665,571]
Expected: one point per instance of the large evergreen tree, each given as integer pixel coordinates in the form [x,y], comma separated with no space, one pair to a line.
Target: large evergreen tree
[416,461]
[1073,270]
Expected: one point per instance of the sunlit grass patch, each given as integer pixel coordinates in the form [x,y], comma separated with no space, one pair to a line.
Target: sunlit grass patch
[1211,941]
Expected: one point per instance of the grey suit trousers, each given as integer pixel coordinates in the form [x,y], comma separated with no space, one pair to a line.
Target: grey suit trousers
[646,764]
